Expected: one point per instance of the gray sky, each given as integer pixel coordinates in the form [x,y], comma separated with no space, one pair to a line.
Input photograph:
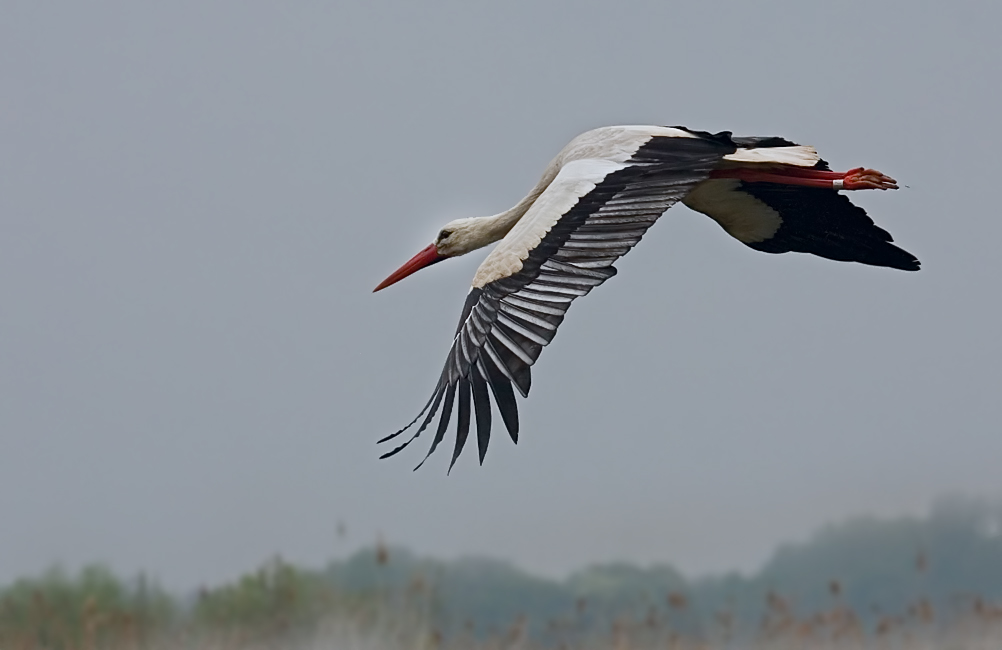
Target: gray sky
[196,200]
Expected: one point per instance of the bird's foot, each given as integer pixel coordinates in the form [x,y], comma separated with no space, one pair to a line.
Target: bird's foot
[867,179]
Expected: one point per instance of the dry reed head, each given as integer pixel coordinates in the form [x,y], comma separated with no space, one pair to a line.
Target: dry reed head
[677,600]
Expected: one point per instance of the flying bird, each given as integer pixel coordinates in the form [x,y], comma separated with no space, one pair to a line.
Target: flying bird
[594,202]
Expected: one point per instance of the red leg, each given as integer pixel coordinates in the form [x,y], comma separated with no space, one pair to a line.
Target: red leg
[854,179]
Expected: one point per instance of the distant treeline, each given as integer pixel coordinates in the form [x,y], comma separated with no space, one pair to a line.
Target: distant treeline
[870,571]
[945,563]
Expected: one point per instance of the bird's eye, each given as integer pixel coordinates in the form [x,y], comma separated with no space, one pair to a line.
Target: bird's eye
[444,235]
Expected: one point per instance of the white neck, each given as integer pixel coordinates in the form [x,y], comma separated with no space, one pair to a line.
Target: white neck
[478,232]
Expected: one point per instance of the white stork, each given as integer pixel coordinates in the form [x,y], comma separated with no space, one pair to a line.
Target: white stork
[592,205]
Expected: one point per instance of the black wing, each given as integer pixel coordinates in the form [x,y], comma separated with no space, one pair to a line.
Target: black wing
[506,323]
[812,220]
[825,223]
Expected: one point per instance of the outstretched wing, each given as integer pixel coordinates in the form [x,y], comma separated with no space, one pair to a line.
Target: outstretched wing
[778,218]
[825,223]
[592,213]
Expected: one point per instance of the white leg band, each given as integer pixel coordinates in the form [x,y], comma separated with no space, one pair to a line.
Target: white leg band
[838,184]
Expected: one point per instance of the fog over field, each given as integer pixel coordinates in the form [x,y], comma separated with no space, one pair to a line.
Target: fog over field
[197,199]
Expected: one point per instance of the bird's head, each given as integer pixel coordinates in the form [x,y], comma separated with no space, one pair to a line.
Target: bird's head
[454,239]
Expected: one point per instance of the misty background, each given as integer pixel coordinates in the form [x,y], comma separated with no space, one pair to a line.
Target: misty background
[196,201]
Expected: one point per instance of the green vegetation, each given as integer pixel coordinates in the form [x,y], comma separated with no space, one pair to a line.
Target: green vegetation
[863,579]
[89,610]
[272,606]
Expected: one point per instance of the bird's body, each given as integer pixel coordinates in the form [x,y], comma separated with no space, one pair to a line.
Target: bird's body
[592,204]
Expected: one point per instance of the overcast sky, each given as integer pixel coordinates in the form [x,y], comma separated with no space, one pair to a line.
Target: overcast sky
[196,200]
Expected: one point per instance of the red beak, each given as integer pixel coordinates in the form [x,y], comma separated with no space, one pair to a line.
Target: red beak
[426,257]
